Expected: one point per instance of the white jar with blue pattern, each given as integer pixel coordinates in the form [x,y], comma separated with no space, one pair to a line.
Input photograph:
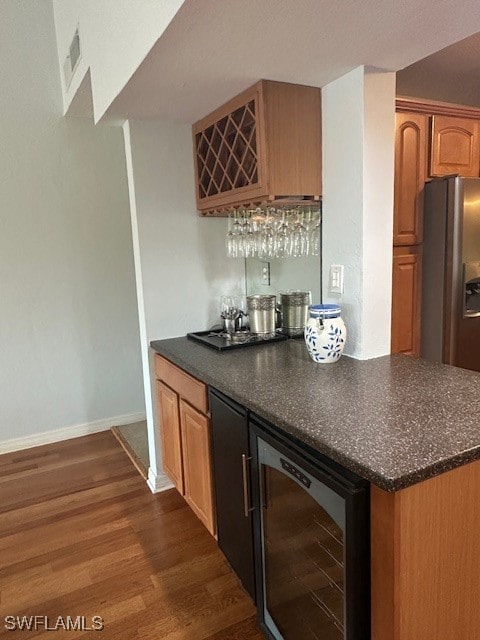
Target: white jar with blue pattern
[325,333]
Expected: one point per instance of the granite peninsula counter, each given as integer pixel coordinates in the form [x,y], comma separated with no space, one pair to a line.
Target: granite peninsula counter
[411,428]
[394,420]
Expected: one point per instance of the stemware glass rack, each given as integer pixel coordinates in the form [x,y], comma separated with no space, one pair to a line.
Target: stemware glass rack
[269,232]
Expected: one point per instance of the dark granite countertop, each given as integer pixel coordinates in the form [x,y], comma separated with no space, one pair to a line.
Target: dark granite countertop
[394,420]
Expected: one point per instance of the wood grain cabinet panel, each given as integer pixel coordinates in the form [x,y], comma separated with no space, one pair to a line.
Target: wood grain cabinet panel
[196,448]
[425,558]
[169,424]
[455,146]
[406,300]
[263,144]
[186,436]
[411,135]
[188,387]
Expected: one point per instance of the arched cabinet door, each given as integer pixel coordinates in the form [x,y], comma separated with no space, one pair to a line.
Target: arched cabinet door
[455,147]
[410,174]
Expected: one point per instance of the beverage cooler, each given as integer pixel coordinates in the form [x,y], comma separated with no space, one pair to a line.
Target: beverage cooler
[311,527]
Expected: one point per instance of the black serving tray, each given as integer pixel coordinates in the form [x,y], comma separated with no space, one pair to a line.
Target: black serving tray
[215,340]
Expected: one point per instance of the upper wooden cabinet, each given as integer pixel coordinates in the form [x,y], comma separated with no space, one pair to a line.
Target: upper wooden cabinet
[455,146]
[263,144]
[411,138]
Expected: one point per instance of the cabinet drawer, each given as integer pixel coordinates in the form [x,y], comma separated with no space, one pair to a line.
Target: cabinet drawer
[188,387]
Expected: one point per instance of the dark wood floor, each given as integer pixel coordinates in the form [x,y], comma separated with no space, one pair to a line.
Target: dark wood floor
[81,535]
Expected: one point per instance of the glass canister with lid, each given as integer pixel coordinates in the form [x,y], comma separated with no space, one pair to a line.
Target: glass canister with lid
[325,333]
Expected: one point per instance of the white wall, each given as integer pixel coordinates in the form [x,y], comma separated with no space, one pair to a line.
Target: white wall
[358,112]
[69,337]
[181,262]
[115,35]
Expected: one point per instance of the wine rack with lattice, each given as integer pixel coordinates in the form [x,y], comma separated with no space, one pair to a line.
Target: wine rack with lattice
[262,145]
[226,153]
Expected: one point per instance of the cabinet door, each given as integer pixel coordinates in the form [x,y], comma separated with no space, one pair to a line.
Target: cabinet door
[169,424]
[410,173]
[232,487]
[197,463]
[455,147]
[263,144]
[228,151]
[406,300]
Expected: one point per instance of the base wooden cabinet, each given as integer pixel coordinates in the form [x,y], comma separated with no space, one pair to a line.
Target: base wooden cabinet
[169,421]
[184,423]
[197,463]
[422,574]
[406,300]
[425,549]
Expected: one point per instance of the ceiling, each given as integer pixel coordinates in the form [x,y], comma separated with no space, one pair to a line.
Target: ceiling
[212,50]
[450,75]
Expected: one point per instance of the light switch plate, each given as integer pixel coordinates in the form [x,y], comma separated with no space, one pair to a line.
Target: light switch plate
[335,280]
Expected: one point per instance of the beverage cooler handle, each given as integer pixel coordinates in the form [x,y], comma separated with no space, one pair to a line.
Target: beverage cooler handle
[247,509]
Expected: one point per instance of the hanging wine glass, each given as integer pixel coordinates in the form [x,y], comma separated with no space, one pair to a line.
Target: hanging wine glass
[300,237]
[230,240]
[250,236]
[283,241]
[235,238]
[314,239]
[266,244]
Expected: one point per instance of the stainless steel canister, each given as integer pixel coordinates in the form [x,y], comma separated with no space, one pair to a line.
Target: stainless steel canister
[261,313]
[295,306]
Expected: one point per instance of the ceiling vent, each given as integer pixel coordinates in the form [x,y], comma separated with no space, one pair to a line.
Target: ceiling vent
[72,60]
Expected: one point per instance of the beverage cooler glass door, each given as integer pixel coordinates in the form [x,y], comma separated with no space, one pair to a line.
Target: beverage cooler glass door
[302,553]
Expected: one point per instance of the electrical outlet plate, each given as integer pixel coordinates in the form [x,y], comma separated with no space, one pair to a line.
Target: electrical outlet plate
[335,280]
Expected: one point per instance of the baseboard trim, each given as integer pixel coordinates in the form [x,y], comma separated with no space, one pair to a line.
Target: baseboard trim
[158,483]
[66,433]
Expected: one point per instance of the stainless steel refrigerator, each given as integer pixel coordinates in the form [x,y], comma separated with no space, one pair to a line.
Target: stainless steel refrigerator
[451,272]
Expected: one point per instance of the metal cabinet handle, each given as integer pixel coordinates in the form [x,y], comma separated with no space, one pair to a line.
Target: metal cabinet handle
[247,509]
